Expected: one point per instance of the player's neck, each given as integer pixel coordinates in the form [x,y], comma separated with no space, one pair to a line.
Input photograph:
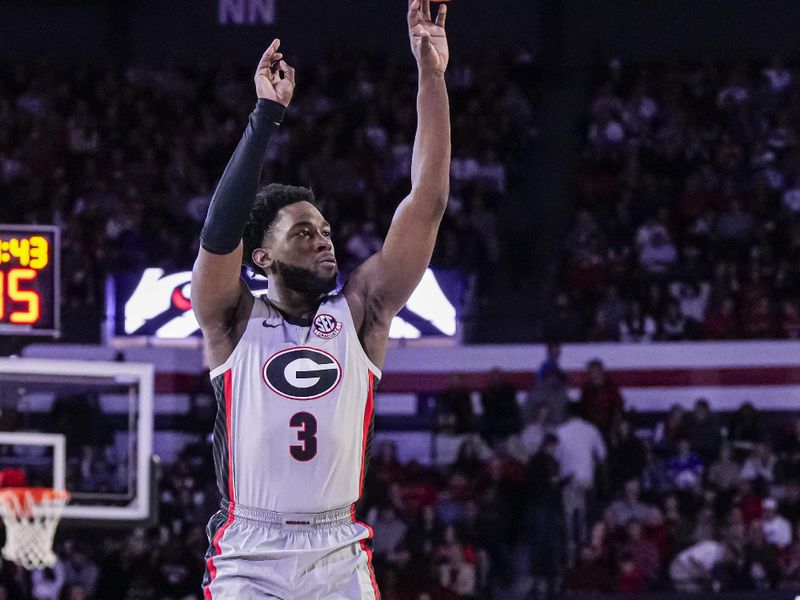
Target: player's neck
[291,302]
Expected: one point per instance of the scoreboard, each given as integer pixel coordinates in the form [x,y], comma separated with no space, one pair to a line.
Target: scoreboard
[29,280]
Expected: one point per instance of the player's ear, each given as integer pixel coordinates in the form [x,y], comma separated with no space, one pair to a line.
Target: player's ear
[262,258]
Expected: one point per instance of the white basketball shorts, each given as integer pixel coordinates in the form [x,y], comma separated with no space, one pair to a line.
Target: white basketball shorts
[256,554]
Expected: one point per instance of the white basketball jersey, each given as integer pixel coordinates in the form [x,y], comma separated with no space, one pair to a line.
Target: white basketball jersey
[295,411]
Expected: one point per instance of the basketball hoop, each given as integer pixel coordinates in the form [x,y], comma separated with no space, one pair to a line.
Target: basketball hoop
[31,516]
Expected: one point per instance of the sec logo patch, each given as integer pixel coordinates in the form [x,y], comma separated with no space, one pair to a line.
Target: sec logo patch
[302,373]
[326,326]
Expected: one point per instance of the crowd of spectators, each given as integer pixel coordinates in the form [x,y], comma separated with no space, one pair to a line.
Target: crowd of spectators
[539,493]
[125,160]
[688,228]
[687,222]
[554,496]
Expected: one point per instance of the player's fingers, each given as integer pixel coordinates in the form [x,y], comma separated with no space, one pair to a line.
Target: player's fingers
[425,9]
[441,16]
[413,12]
[288,71]
[267,57]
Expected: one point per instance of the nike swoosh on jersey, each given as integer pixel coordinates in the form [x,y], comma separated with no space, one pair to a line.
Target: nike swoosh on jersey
[265,323]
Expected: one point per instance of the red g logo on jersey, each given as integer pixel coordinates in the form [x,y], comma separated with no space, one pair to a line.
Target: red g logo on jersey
[302,373]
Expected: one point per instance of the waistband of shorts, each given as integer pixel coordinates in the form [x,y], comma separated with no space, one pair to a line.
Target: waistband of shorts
[330,518]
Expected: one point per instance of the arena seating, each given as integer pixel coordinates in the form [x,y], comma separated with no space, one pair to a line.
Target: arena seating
[685,225]
[119,162]
[686,228]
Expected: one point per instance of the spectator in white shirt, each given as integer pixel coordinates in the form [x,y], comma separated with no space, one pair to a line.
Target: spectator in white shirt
[760,464]
[691,571]
[777,529]
[540,424]
[636,326]
[735,93]
[581,448]
[791,197]
[657,253]
[778,77]
[693,298]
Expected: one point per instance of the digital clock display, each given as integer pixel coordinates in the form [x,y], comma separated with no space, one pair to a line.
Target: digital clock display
[29,280]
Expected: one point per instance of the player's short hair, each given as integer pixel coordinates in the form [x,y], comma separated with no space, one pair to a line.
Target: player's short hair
[269,201]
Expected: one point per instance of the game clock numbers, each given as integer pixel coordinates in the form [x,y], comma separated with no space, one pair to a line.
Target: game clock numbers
[29,280]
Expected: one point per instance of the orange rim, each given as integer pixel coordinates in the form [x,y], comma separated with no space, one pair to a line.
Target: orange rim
[18,500]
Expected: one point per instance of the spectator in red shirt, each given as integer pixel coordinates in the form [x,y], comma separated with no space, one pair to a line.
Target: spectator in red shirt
[721,321]
[386,464]
[754,287]
[644,553]
[789,320]
[758,320]
[588,271]
[590,573]
[601,401]
[747,501]
[695,200]
[630,578]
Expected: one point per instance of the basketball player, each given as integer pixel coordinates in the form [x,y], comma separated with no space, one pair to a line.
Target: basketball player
[295,370]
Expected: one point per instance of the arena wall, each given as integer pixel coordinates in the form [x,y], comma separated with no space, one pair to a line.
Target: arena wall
[652,377]
[578,32]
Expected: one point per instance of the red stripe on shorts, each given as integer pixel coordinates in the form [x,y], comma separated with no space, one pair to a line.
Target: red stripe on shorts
[367,550]
[212,569]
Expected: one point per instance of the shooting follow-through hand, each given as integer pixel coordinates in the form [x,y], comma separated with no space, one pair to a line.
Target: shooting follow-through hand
[274,78]
[428,37]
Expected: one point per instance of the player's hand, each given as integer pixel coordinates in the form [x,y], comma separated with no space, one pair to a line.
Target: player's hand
[428,38]
[274,78]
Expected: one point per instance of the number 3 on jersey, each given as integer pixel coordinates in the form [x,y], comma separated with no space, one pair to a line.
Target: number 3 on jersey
[306,426]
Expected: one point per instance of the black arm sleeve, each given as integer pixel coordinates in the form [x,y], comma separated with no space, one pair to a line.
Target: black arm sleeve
[236,190]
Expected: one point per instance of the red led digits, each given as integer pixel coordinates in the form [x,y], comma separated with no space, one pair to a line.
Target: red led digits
[16,294]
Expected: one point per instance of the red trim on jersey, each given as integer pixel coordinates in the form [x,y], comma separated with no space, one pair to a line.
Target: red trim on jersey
[212,569]
[228,427]
[367,549]
[368,409]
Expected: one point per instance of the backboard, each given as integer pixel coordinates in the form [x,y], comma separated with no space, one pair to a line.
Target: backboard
[82,426]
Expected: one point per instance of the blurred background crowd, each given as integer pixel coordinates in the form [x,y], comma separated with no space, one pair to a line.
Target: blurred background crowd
[126,162]
[682,223]
[685,222]
[531,495]
[686,218]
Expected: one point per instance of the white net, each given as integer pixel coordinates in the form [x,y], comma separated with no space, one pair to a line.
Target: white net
[30,516]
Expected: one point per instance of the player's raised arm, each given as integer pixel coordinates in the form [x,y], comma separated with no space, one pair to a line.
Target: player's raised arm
[386,280]
[218,294]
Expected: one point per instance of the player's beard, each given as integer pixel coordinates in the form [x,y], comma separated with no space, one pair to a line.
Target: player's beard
[305,281]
